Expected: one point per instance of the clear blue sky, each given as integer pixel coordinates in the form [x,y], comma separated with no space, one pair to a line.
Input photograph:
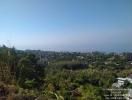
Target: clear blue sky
[67,25]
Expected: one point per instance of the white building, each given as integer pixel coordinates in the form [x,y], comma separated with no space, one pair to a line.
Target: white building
[121,81]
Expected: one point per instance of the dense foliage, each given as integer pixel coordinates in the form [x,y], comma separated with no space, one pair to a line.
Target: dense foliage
[61,75]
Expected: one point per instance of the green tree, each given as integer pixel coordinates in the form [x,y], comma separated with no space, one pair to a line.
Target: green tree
[30,71]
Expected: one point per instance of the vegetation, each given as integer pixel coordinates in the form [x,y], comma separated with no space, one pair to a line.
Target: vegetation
[60,75]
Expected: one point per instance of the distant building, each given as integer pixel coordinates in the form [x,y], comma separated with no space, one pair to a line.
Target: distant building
[80,57]
[121,81]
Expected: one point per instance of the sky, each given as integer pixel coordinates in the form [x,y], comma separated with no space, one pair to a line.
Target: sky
[67,25]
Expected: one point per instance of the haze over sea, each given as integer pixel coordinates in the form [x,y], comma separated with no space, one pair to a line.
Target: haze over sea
[67,25]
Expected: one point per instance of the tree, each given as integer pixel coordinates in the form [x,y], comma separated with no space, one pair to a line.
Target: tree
[30,71]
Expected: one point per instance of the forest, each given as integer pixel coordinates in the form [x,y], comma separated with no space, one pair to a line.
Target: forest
[47,75]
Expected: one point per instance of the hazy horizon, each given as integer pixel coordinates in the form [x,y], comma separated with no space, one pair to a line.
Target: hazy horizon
[67,25]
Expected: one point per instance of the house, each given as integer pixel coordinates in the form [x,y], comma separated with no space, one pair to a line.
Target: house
[121,81]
